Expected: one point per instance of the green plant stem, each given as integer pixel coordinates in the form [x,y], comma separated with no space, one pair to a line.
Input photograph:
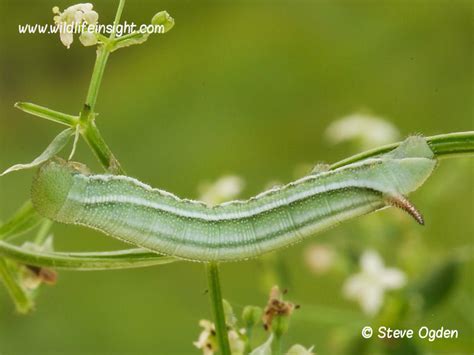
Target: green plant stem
[444,146]
[97,75]
[215,297]
[277,344]
[43,232]
[89,130]
[96,142]
[118,15]
[103,52]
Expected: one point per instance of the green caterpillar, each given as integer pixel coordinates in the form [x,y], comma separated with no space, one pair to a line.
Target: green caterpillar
[129,210]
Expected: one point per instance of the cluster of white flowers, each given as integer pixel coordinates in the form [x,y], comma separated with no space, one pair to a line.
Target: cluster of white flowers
[369,285]
[73,17]
[369,130]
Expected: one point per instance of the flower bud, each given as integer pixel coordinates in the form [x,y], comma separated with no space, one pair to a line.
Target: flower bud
[277,313]
[88,39]
[251,315]
[164,19]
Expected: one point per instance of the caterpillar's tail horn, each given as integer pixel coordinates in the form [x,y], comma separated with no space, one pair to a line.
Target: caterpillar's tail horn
[403,203]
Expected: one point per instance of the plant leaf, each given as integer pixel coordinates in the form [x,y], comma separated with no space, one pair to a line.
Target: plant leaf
[230,317]
[58,143]
[130,40]
[23,302]
[84,261]
[47,113]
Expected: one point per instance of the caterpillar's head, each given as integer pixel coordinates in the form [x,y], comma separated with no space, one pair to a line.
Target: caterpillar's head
[51,187]
[410,164]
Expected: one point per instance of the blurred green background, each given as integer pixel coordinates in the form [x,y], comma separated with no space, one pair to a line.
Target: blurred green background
[243,87]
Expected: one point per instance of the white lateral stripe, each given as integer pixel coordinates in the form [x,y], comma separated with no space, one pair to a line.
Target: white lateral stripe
[213,213]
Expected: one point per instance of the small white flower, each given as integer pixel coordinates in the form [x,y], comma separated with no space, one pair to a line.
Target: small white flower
[369,130]
[298,349]
[368,286]
[73,17]
[224,189]
[207,339]
[319,258]
[237,345]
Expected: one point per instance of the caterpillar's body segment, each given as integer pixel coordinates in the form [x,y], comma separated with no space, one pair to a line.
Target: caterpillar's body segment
[157,220]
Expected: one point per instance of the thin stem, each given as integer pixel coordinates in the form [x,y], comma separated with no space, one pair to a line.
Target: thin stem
[118,15]
[43,232]
[96,142]
[215,297]
[96,79]
[89,130]
[443,146]
[103,53]
[452,144]
[277,344]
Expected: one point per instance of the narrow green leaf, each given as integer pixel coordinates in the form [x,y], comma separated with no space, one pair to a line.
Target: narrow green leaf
[112,260]
[23,302]
[230,317]
[46,113]
[58,143]
[129,40]
[25,219]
